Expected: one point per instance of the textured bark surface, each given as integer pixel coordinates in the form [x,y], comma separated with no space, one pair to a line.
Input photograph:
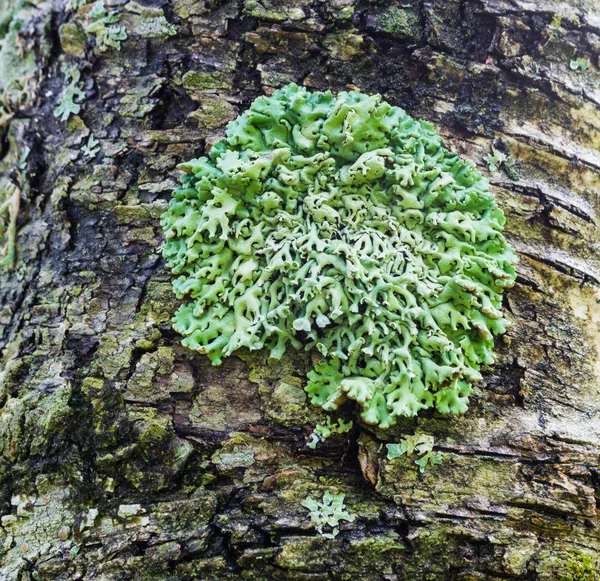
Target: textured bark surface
[125,456]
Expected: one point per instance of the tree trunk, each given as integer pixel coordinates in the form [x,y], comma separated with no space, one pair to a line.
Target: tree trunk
[124,455]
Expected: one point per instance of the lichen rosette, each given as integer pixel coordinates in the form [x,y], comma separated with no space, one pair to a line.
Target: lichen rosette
[343,225]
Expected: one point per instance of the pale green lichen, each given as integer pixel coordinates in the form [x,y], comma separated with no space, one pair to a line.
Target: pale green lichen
[323,431]
[420,444]
[104,28]
[580,65]
[72,90]
[328,512]
[498,159]
[91,149]
[342,224]
[495,159]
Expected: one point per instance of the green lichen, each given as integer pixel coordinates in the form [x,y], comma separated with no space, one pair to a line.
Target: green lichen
[499,160]
[344,225]
[511,168]
[420,444]
[580,65]
[328,512]
[273,10]
[91,149]
[495,159]
[323,431]
[104,28]
[72,90]
[345,46]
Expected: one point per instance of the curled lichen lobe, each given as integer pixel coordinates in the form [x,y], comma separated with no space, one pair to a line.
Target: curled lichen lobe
[342,224]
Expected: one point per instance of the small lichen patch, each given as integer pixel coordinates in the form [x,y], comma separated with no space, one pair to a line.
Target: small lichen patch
[323,431]
[499,160]
[574,565]
[420,444]
[91,149]
[103,26]
[226,461]
[345,46]
[327,514]
[71,91]
[580,65]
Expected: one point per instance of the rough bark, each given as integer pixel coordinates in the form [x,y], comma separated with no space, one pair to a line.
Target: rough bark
[125,456]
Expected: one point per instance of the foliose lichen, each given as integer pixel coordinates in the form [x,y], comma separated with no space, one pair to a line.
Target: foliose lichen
[105,28]
[323,431]
[71,91]
[420,444]
[342,224]
[328,512]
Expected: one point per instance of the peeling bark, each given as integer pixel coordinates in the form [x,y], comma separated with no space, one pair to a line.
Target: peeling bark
[125,456]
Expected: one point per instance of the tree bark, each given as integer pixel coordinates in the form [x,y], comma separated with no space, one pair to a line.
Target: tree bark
[124,455]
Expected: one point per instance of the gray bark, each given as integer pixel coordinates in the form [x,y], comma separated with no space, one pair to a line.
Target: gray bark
[125,456]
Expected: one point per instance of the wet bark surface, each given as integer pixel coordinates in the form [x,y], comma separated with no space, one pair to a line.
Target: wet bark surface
[126,456]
